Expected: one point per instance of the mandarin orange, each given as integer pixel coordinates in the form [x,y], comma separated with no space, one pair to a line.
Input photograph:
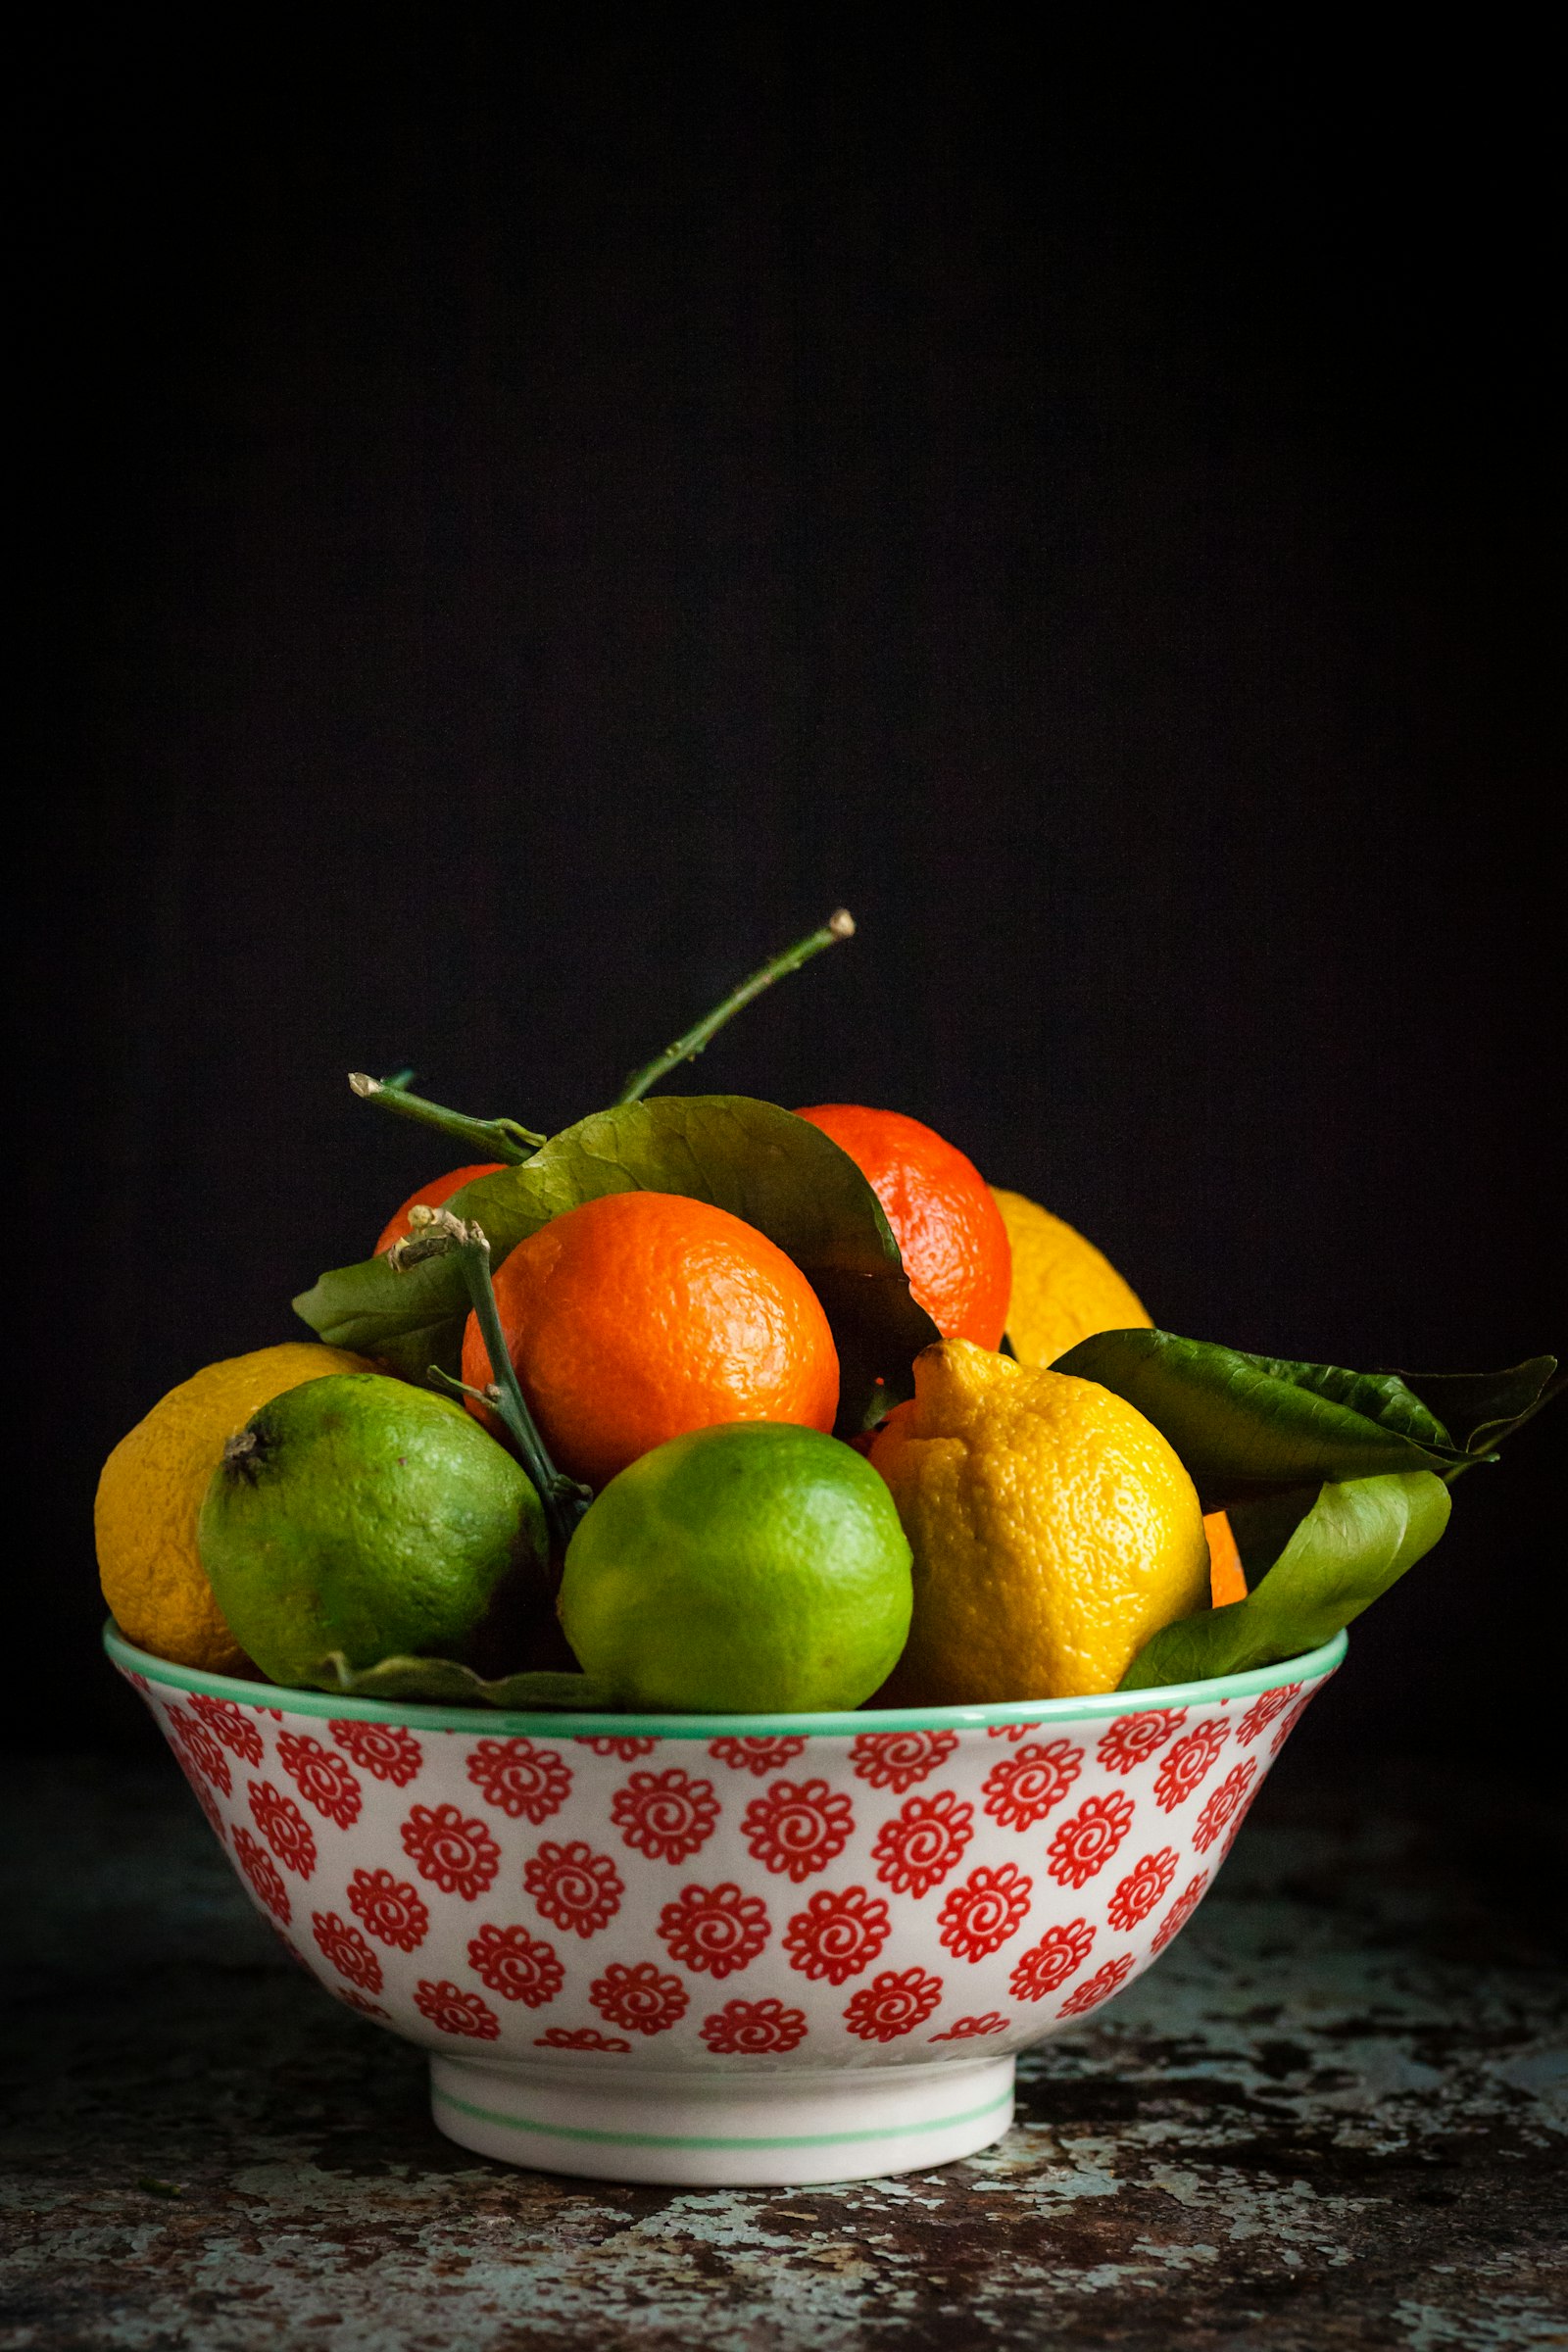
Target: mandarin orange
[639,1316]
[1227,1578]
[433,1194]
[950,1230]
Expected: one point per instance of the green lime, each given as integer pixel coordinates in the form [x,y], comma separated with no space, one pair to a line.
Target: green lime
[359,1515]
[758,1568]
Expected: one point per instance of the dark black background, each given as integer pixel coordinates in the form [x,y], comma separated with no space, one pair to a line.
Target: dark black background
[520,524]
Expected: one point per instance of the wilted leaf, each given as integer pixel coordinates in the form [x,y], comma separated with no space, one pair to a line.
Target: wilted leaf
[761,1164]
[443,1683]
[1479,1409]
[1348,1547]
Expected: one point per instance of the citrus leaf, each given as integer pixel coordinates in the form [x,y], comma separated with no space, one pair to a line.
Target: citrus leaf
[443,1683]
[1350,1545]
[1251,1425]
[409,1322]
[1479,1409]
[761,1164]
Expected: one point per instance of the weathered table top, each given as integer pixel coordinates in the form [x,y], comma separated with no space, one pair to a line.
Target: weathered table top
[1335,2114]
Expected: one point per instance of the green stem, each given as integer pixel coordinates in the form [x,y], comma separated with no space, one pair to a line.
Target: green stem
[502,1139]
[687,1047]
[563,1500]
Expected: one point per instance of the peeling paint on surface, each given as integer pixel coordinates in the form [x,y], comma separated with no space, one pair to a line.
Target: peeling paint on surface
[1334,2115]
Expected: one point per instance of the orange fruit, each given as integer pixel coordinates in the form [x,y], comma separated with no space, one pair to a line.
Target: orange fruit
[949,1227]
[643,1315]
[1227,1581]
[431,1195]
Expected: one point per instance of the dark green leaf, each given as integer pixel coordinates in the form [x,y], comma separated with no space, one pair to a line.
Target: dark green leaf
[405,1322]
[1263,1528]
[1479,1409]
[443,1683]
[1349,1546]
[761,1164]
[1248,1426]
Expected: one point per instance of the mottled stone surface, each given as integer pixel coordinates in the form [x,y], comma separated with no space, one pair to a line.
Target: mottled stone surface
[1335,2114]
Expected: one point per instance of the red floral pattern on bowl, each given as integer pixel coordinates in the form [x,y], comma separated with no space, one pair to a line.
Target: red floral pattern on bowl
[560,1892]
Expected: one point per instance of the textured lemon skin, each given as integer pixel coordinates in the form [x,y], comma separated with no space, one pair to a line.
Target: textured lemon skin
[1062,1287]
[150,1495]
[1053,1531]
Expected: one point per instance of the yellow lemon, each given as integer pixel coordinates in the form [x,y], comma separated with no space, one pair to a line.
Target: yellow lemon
[151,1492]
[1053,1531]
[1062,1287]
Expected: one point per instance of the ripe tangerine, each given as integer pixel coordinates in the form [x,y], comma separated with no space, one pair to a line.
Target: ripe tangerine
[949,1227]
[639,1316]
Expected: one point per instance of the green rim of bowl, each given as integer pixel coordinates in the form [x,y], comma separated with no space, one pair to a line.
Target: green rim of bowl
[1309,1667]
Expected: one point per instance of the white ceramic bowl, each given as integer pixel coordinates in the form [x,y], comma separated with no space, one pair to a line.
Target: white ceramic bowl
[726,1948]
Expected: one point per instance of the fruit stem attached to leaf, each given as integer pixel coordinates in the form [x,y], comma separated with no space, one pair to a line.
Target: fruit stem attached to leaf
[502,1136]
[437,1233]
[686,1048]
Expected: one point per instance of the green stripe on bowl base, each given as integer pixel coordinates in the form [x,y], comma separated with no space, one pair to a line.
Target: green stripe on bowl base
[677,2139]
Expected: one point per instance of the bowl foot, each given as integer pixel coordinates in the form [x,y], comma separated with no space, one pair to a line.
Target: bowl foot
[780,2130]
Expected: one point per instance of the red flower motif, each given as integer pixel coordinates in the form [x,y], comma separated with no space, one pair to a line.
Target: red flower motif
[1000,1730]
[1288,1723]
[969,2028]
[893,2004]
[284,1827]
[1188,1761]
[1141,1889]
[896,1760]
[837,1935]
[519,1966]
[137,1682]
[386,1751]
[580,2038]
[1048,1964]
[1228,1801]
[260,1870]
[915,1850]
[195,1743]
[1098,1988]
[357,2000]
[639,1999]
[1021,1790]
[205,1798]
[233,1723]
[459,1856]
[797,1827]
[1133,1739]
[1086,1839]
[627,1749]
[572,1886]
[715,1930]
[520,1778]
[321,1777]
[979,1915]
[451,2010]
[755,1755]
[666,1814]
[390,1908]
[347,1950]
[1180,1912]
[754,2028]
[1264,1709]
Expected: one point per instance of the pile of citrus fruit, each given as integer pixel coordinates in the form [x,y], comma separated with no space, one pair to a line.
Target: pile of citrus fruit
[708,1405]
